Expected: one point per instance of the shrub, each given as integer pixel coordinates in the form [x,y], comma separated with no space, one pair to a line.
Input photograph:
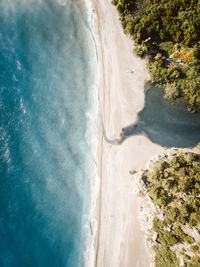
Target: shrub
[173,185]
[165,257]
[170,28]
[171,91]
[167,238]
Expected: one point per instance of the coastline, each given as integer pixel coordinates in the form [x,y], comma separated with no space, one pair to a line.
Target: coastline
[120,240]
[93,136]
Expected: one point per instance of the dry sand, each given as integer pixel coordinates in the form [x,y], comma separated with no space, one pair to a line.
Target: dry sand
[119,239]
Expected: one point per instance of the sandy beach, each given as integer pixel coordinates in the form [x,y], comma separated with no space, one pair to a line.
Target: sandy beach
[119,238]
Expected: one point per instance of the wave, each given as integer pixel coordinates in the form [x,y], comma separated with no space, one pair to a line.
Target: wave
[49,109]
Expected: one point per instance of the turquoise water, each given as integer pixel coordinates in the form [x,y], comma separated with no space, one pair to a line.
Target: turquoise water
[46,74]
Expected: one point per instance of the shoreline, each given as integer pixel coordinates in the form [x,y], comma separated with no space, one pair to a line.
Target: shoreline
[93,139]
[119,240]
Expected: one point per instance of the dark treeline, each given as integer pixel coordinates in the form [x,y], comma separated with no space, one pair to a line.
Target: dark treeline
[167,32]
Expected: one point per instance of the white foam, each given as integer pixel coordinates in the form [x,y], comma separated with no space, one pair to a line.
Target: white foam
[92,138]
[62,2]
[19,65]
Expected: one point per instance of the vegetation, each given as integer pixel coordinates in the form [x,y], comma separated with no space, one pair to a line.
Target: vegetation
[173,184]
[167,32]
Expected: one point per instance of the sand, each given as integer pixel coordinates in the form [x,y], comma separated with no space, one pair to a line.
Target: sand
[119,238]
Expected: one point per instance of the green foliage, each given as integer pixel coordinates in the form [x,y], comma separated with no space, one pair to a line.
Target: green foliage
[159,224]
[195,262]
[171,213]
[166,48]
[182,236]
[156,27]
[195,248]
[173,184]
[165,257]
[167,238]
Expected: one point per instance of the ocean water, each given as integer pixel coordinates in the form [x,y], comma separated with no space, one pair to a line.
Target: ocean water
[46,83]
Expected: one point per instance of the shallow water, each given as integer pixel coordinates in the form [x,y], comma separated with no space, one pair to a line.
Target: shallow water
[165,123]
[46,73]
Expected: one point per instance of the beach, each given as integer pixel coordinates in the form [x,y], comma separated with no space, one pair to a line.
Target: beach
[120,240]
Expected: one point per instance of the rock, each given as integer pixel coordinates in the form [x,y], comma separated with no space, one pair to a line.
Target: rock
[132,172]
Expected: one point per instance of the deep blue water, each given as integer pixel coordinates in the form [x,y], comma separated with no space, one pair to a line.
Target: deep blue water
[45,82]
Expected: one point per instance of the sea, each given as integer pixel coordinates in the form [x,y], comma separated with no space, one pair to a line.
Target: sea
[48,108]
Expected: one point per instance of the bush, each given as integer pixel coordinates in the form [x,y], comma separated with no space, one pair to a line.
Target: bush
[170,28]
[165,257]
[167,238]
[171,91]
[159,224]
[195,248]
[173,185]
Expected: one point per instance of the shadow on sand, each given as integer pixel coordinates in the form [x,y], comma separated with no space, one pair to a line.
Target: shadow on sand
[164,123]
